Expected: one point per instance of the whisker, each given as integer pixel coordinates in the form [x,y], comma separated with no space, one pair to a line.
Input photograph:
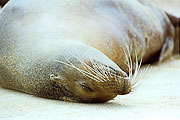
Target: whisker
[96,70]
[80,70]
[137,67]
[129,61]
[136,77]
[109,72]
[87,71]
[91,69]
[141,76]
[96,65]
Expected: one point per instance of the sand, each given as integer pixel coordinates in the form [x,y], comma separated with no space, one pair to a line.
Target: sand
[156,98]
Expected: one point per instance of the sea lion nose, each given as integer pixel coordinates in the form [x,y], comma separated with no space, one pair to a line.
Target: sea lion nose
[126,87]
[117,85]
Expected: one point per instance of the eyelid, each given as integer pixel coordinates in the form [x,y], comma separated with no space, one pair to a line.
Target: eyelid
[85,87]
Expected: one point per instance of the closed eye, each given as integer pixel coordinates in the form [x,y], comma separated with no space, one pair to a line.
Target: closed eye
[85,87]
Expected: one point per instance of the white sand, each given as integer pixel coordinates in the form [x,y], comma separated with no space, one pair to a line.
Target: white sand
[157,98]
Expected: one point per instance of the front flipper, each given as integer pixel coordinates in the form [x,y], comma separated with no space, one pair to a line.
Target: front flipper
[167,49]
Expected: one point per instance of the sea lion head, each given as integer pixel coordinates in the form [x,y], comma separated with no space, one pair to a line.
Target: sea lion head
[84,74]
[91,82]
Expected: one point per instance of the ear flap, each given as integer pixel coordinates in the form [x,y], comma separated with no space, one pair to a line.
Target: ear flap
[57,78]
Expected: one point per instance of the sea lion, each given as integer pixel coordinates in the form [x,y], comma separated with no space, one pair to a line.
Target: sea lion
[79,51]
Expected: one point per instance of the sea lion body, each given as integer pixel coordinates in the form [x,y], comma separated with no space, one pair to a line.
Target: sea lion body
[76,50]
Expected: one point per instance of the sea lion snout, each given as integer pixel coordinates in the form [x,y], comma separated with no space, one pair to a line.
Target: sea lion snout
[108,84]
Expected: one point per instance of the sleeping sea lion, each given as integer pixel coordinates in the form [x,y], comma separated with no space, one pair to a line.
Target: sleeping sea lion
[79,51]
